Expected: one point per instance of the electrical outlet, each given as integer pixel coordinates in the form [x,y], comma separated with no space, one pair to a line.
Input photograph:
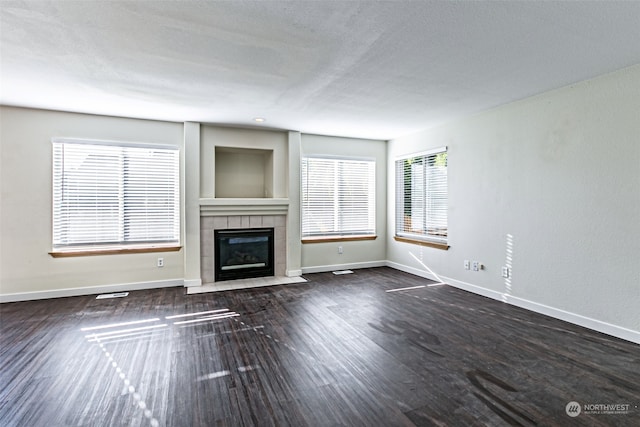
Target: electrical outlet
[467,264]
[160,262]
[505,272]
[476,266]
[340,250]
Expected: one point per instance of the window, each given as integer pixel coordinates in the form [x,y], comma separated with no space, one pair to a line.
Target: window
[338,197]
[421,197]
[114,195]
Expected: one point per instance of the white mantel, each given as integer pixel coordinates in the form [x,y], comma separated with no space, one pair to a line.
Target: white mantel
[232,206]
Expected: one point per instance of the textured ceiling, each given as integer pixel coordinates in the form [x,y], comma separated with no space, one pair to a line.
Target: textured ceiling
[351,68]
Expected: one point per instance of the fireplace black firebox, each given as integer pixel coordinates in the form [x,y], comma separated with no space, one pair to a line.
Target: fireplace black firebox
[241,254]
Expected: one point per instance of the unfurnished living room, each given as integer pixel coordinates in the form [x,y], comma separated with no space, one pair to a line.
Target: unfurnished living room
[319,213]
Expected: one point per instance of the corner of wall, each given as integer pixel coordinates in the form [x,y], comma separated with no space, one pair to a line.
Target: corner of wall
[294,245]
[191,202]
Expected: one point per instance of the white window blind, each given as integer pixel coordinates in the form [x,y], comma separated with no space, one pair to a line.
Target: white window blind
[422,196]
[113,194]
[338,197]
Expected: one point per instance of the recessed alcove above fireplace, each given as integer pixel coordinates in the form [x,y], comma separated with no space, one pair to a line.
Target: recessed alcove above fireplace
[243,173]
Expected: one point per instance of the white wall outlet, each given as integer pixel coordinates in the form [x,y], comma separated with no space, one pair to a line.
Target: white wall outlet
[467,264]
[340,249]
[476,266]
[505,272]
[160,262]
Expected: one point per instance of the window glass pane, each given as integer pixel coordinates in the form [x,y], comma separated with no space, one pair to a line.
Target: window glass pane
[422,196]
[338,196]
[150,190]
[110,194]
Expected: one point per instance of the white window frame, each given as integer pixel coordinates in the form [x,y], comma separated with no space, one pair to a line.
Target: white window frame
[428,189]
[338,224]
[126,198]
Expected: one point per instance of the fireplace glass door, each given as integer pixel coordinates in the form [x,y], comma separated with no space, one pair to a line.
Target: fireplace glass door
[241,254]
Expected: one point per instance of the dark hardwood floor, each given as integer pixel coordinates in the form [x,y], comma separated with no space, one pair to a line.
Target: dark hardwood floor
[336,351]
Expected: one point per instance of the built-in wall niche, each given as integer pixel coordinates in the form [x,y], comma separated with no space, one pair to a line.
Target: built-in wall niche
[243,173]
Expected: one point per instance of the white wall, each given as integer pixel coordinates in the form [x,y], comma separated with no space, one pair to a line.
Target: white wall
[25,206]
[325,256]
[215,136]
[560,172]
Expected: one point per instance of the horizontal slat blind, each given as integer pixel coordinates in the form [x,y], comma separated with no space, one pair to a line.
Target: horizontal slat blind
[338,197]
[114,195]
[422,196]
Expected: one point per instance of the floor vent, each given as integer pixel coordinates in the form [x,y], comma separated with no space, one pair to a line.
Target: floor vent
[114,295]
[339,272]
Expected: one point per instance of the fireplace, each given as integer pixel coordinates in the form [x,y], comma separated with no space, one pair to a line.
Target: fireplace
[243,253]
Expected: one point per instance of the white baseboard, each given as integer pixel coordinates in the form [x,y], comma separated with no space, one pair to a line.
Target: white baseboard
[576,319]
[351,266]
[192,282]
[567,316]
[411,270]
[294,273]
[89,290]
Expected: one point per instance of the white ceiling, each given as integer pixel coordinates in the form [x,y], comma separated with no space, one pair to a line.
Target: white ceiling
[352,68]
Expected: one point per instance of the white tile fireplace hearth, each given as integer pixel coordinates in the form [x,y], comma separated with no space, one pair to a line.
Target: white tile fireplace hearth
[230,285]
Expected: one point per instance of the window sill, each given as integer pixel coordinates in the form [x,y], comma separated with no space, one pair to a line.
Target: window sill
[112,251]
[321,239]
[435,245]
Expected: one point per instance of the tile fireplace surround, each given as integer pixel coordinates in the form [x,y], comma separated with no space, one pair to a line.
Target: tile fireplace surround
[208,224]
